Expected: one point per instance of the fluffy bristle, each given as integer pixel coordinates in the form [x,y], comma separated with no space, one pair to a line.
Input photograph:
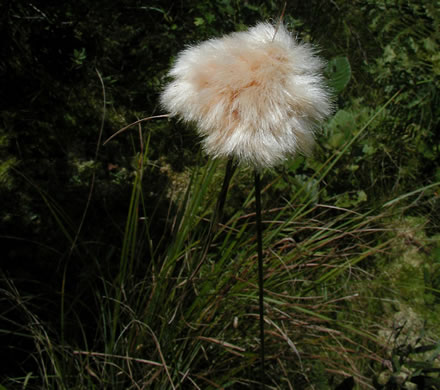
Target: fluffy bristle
[256,95]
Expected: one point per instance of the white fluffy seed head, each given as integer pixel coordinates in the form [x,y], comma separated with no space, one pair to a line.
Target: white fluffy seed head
[255,95]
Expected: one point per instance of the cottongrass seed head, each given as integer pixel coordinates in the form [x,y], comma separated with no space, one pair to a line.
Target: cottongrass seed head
[255,95]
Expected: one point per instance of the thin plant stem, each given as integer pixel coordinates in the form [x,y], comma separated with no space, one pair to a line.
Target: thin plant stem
[135,123]
[92,183]
[218,213]
[260,271]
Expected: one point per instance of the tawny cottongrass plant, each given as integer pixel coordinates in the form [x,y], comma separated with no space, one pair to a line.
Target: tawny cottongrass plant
[255,95]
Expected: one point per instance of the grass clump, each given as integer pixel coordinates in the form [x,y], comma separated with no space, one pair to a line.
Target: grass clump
[153,322]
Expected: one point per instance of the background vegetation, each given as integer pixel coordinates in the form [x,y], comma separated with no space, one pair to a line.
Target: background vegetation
[105,282]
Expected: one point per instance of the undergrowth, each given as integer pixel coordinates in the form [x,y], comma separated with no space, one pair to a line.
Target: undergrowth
[172,315]
[174,312]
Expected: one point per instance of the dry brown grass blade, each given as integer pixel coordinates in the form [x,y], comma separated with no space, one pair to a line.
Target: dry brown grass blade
[105,355]
[280,20]
[222,343]
[135,123]
[159,350]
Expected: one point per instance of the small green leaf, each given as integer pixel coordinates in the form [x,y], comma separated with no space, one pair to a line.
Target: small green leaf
[252,7]
[361,196]
[436,255]
[368,149]
[199,21]
[339,73]
[341,126]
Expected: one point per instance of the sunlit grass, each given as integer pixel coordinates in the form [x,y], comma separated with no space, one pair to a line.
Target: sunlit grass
[162,326]
[172,315]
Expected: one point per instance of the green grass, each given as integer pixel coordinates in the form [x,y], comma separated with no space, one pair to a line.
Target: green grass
[172,316]
[162,326]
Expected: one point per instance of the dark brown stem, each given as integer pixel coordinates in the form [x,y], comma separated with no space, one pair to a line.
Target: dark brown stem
[260,272]
[218,213]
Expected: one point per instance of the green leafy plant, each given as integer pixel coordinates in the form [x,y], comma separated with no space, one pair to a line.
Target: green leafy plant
[411,365]
[339,73]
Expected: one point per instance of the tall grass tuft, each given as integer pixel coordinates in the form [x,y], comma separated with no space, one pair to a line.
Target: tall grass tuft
[176,313]
[159,325]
